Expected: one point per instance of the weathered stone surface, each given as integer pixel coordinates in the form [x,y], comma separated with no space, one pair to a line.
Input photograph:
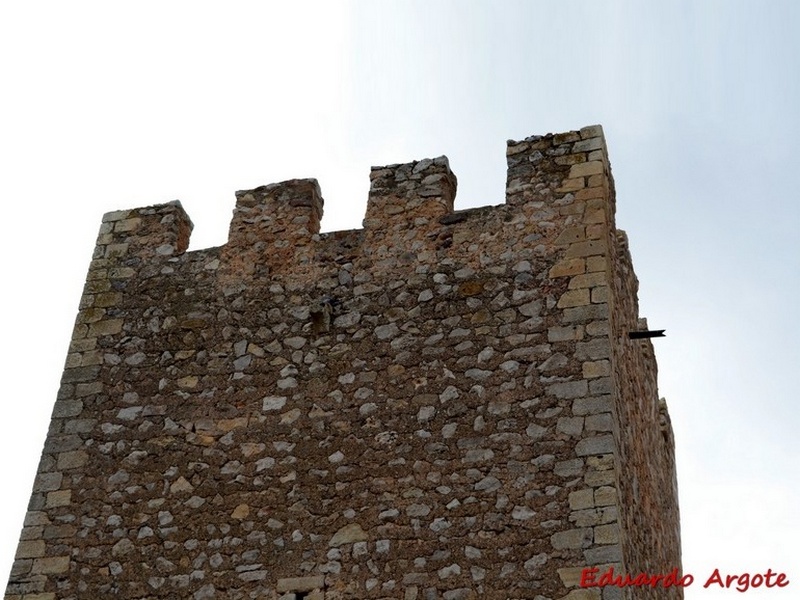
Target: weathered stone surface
[300,584]
[573,538]
[51,565]
[348,534]
[595,445]
[30,549]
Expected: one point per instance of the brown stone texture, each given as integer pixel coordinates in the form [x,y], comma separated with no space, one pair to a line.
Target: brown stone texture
[442,405]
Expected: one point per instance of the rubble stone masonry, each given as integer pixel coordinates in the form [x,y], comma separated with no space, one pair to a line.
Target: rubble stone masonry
[441,405]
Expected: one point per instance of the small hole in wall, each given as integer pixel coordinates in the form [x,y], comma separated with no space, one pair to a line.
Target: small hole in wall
[322,314]
[320,321]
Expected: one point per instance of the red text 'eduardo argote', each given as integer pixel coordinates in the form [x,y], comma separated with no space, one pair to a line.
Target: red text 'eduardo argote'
[742,582]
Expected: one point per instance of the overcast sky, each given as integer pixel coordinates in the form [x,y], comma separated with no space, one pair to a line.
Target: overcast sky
[107,107]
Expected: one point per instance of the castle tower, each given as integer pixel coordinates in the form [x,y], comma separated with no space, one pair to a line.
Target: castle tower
[441,405]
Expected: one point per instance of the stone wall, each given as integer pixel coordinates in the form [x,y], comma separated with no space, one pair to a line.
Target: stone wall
[646,481]
[440,405]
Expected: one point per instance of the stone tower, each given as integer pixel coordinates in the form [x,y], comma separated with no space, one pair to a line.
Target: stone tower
[441,405]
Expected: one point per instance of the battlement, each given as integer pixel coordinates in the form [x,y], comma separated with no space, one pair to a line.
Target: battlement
[556,179]
[443,404]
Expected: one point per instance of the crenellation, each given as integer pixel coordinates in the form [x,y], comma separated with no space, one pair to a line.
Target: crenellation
[555,169]
[161,230]
[420,190]
[441,404]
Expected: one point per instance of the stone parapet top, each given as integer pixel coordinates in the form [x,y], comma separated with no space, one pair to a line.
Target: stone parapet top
[566,171]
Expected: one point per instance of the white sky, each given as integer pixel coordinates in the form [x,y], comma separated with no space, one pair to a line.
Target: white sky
[106,106]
